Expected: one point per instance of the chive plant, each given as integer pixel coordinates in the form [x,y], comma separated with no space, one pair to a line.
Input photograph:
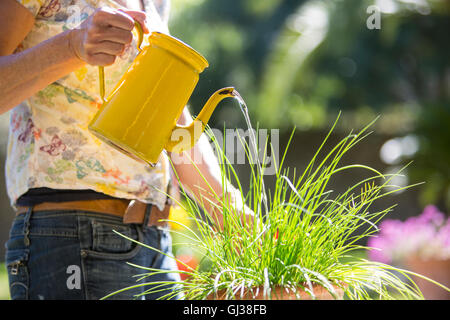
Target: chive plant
[301,242]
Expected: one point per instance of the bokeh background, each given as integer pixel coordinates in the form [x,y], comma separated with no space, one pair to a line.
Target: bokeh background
[298,63]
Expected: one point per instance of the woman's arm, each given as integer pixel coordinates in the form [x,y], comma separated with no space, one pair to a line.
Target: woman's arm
[206,162]
[97,41]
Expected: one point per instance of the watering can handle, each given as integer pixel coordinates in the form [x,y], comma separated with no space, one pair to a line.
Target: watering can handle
[101,69]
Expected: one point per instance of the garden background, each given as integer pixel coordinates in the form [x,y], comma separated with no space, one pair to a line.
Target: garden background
[299,63]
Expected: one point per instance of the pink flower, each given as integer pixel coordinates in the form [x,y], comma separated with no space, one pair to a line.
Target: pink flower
[427,235]
[432,214]
[378,253]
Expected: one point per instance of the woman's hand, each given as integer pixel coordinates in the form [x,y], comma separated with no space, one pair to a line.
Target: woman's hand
[104,35]
[98,40]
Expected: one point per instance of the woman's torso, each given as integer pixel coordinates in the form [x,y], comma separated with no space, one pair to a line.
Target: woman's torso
[49,144]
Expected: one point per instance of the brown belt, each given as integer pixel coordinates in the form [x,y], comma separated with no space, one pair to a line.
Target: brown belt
[131,211]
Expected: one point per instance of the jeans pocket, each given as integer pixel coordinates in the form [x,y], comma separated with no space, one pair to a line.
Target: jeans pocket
[16,263]
[107,243]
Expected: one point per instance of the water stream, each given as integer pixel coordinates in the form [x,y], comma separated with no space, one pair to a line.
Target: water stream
[253,153]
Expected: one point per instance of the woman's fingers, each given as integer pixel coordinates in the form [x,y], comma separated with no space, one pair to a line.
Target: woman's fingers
[113,34]
[101,59]
[140,17]
[103,36]
[106,17]
[109,47]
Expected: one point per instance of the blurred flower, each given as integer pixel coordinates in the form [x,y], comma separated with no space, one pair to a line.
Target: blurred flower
[426,236]
[186,262]
[179,218]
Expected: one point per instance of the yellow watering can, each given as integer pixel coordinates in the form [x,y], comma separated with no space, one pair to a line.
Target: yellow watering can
[140,116]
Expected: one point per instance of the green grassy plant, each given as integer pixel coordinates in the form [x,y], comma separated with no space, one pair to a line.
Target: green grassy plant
[303,238]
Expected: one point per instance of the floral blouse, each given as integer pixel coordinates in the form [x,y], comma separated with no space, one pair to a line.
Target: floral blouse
[49,144]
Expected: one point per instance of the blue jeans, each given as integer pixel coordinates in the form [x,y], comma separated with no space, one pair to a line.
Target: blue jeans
[76,255]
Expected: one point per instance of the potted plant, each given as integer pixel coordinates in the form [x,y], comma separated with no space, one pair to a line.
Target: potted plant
[421,244]
[299,243]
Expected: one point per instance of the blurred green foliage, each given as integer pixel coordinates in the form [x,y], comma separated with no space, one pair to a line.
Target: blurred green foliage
[298,63]
[4,286]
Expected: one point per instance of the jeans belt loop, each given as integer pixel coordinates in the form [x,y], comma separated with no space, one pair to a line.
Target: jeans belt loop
[26,226]
[148,211]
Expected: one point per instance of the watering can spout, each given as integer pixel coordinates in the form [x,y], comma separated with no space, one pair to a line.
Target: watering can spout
[185,137]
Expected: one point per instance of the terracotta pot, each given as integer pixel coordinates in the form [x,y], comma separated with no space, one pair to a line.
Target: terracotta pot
[437,270]
[281,293]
